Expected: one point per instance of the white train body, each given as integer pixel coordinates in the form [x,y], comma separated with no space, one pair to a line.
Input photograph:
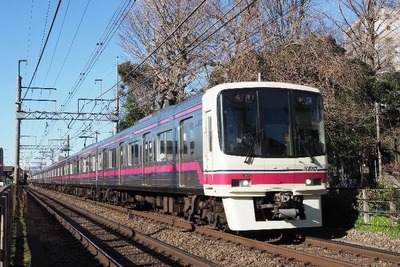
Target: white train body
[256,147]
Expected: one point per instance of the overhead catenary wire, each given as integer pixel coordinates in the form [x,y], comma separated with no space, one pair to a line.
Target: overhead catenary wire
[190,45]
[208,36]
[72,42]
[166,39]
[57,42]
[113,25]
[44,48]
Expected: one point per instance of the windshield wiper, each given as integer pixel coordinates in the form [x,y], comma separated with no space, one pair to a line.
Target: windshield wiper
[303,145]
[249,157]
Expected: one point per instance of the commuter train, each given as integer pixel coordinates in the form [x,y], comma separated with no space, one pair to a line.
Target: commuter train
[244,156]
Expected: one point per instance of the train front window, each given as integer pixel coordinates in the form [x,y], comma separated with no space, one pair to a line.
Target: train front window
[271,123]
[275,111]
[240,131]
[309,124]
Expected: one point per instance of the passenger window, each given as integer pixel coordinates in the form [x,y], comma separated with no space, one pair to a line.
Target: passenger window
[100,160]
[147,148]
[187,137]
[134,153]
[164,144]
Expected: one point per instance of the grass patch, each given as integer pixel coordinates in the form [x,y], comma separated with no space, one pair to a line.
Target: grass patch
[379,224]
[22,255]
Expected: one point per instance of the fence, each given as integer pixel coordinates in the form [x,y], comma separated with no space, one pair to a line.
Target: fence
[7,199]
[379,202]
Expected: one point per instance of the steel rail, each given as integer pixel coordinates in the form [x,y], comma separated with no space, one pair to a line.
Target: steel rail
[100,254]
[187,257]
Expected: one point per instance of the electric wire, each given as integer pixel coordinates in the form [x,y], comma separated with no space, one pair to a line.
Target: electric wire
[118,16]
[44,48]
[57,42]
[72,42]
[180,25]
[193,47]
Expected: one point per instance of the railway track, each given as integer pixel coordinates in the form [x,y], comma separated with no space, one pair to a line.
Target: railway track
[312,251]
[114,244]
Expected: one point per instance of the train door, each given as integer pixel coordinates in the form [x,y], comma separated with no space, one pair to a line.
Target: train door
[148,166]
[207,148]
[104,167]
[187,176]
[120,162]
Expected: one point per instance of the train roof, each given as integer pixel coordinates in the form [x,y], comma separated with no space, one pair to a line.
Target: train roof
[172,110]
[142,123]
[261,85]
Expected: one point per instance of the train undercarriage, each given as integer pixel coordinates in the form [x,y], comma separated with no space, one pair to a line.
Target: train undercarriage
[201,210]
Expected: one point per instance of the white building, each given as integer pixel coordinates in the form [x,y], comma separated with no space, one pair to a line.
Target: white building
[381,47]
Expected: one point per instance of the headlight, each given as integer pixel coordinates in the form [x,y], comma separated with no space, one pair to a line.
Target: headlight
[313,181]
[241,183]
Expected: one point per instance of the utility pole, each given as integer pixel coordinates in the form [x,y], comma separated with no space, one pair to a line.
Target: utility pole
[116,103]
[101,92]
[18,125]
[378,151]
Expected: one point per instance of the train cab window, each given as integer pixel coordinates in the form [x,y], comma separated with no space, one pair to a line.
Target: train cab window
[309,124]
[275,115]
[187,138]
[164,145]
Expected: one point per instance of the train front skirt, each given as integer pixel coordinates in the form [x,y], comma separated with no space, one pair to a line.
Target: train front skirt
[240,214]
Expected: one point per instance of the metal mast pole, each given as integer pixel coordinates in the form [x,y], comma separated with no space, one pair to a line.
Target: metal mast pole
[378,141]
[116,103]
[18,125]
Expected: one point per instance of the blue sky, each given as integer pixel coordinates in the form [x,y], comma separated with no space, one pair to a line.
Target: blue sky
[24,25]
[75,36]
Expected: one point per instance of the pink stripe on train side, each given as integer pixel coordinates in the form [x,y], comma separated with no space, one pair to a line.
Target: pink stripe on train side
[180,114]
[287,177]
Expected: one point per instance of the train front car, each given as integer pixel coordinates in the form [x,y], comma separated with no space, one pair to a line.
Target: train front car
[264,154]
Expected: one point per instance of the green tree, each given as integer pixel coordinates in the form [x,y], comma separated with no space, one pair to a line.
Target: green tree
[136,92]
[385,91]
[318,61]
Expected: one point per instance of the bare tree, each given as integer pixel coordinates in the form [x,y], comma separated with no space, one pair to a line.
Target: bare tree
[259,27]
[163,34]
[238,37]
[285,21]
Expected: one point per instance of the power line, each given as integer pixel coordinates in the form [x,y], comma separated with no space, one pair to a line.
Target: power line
[72,42]
[113,25]
[44,48]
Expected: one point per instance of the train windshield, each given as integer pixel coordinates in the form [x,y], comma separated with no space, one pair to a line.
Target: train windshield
[271,123]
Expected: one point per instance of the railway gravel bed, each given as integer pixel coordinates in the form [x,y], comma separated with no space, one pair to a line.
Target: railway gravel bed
[50,243]
[220,251]
[108,242]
